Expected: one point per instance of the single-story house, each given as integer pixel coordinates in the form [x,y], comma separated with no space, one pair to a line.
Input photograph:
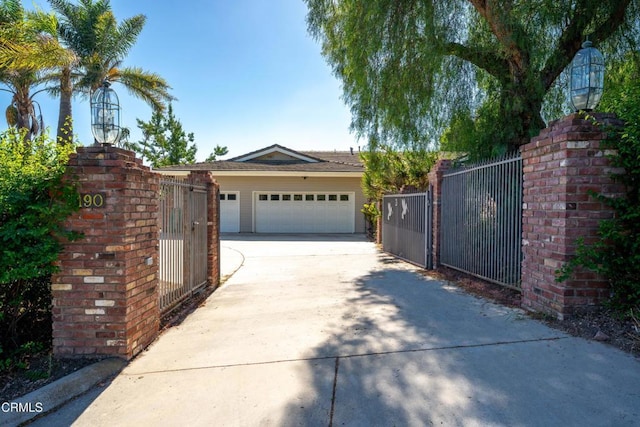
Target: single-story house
[280,190]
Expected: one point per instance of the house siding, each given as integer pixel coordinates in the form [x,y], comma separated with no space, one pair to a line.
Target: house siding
[248,185]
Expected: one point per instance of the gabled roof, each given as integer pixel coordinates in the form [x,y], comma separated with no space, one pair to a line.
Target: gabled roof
[272,152]
[277,159]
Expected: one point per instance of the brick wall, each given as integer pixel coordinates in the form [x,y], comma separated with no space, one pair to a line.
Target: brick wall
[105,299]
[560,166]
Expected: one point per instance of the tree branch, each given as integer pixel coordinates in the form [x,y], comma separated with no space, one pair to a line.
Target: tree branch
[490,62]
[572,37]
[507,31]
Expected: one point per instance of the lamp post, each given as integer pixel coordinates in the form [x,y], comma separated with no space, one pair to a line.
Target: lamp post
[587,78]
[105,115]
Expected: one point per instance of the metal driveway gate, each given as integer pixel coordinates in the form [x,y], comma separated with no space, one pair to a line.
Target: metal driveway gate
[481,227]
[183,241]
[406,227]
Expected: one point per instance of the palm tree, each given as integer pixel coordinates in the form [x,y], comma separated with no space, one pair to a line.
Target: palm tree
[100,43]
[25,51]
[21,113]
[59,79]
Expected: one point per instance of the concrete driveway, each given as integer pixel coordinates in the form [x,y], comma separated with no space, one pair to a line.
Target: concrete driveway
[326,330]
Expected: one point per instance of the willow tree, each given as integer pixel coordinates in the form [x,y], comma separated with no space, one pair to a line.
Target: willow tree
[411,68]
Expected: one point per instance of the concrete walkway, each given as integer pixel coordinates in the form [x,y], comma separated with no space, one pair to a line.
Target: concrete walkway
[325,330]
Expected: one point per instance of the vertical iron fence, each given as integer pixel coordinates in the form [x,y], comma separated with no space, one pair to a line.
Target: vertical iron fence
[406,227]
[183,241]
[481,227]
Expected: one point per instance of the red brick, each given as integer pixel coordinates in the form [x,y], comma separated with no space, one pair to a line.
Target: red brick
[576,167]
[128,225]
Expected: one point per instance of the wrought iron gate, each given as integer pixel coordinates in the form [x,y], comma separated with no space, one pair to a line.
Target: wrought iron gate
[406,227]
[481,227]
[183,241]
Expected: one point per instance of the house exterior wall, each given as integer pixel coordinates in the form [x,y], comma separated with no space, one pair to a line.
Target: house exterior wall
[247,185]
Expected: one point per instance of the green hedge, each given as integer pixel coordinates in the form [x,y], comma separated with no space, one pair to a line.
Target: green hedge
[34,201]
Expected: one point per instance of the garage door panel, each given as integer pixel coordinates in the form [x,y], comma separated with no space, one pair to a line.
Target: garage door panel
[229,212]
[327,212]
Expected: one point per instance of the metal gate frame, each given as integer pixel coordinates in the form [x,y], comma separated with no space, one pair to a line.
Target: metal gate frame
[196,248]
[183,241]
[481,226]
[407,227]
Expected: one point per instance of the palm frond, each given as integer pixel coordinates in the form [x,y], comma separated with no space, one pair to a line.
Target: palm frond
[76,23]
[29,41]
[149,87]
[44,22]
[34,56]
[127,33]
[11,11]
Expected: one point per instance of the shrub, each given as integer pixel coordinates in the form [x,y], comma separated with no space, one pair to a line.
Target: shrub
[34,202]
[371,214]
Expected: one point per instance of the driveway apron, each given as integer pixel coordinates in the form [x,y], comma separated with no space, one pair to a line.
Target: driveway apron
[318,330]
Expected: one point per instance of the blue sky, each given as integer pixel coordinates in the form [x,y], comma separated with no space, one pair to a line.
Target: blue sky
[246,74]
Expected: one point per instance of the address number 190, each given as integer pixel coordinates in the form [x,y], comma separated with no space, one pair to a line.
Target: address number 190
[91,200]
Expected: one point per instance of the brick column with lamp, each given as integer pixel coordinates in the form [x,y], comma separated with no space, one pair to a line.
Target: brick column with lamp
[105,297]
[561,166]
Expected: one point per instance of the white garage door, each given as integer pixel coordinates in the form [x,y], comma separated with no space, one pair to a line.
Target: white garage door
[229,212]
[284,212]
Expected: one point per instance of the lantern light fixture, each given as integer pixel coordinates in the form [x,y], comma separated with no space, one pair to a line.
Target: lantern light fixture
[587,78]
[105,115]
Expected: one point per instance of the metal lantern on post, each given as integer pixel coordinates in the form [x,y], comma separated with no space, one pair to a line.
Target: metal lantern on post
[105,115]
[587,77]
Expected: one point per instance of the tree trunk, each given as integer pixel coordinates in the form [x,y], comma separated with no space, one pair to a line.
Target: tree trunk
[26,115]
[65,124]
[520,106]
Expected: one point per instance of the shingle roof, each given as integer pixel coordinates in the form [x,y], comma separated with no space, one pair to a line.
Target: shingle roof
[328,161]
[336,156]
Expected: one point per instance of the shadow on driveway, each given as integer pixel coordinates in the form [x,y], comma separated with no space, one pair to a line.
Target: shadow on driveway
[417,352]
[325,333]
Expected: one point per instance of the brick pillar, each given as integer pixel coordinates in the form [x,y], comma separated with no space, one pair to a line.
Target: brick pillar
[379,223]
[435,181]
[213,223]
[560,166]
[105,297]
